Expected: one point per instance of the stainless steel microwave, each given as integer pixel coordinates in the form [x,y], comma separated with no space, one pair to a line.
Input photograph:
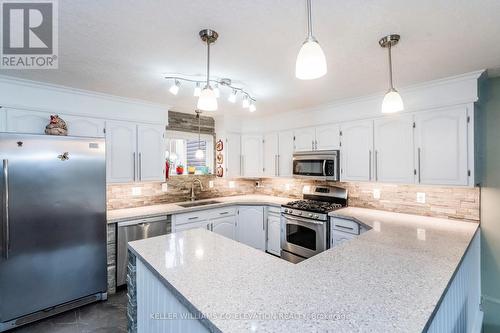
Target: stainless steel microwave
[320,165]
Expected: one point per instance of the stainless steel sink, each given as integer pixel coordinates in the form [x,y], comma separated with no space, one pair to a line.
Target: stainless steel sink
[200,203]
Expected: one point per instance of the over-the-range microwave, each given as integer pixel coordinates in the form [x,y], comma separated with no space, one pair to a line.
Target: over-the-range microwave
[318,165]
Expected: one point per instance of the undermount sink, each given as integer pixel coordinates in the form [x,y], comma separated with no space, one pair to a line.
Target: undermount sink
[200,203]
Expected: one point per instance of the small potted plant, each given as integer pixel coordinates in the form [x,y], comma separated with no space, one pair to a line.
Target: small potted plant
[179,169]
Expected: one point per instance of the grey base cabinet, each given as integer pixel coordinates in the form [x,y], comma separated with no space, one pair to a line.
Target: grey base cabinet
[111,262]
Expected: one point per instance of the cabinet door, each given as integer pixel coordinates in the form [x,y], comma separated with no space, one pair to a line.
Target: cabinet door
[274,234]
[285,153]
[84,126]
[304,139]
[251,226]
[357,151]
[339,237]
[233,155]
[328,137]
[151,152]
[251,150]
[121,157]
[441,147]
[394,149]
[270,160]
[32,122]
[225,226]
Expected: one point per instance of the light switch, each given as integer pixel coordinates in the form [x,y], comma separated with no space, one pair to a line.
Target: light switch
[211,184]
[376,193]
[136,191]
[164,187]
[420,197]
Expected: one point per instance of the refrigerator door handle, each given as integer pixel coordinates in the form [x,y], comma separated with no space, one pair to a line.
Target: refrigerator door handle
[5,217]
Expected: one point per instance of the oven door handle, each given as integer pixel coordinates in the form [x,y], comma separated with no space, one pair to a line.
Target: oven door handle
[287,217]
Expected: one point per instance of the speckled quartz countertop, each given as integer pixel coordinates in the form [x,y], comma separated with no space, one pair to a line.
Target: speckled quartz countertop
[118,215]
[389,279]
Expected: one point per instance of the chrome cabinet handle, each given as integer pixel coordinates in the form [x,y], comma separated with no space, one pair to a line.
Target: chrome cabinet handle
[208,226]
[316,144]
[369,165]
[278,173]
[223,213]
[140,166]
[192,218]
[376,165]
[418,159]
[133,164]
[5,217]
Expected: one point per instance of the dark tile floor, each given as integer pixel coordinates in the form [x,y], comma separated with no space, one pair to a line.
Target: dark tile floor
[102,317]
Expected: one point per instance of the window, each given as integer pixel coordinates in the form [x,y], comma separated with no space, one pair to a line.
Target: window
[181,153]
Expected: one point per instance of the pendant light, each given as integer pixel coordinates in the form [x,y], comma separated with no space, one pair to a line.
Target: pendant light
[392,100]
[208,100]
[311,61]
[199,155]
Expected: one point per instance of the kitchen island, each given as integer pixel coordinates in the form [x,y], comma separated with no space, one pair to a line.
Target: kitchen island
[395,277]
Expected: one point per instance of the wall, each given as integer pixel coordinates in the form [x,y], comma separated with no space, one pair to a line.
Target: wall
[488,137]
[445,202]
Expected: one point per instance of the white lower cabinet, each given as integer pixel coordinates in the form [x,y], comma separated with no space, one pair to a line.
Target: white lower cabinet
[225,226]
[252,226]
[274,231]
[343,230]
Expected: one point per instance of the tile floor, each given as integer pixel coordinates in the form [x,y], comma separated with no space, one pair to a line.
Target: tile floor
[102,317]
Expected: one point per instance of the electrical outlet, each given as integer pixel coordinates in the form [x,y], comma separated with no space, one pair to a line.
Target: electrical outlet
[376,193]
[420,234]
[164,187]
[420,197]
[232,184]
[306,189]
[136,191]
[287,187]
[211,184]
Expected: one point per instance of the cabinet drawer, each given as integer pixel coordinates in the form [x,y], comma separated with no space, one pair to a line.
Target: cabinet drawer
[345,225]
[220,212]
[273,210]
[190,217]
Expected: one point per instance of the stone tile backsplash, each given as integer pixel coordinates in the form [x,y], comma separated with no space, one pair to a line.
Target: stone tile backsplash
[446,202]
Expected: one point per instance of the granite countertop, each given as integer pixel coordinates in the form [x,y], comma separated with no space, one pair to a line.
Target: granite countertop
[118,215]
[389,279]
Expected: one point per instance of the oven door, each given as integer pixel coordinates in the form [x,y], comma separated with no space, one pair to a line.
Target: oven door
[303,237]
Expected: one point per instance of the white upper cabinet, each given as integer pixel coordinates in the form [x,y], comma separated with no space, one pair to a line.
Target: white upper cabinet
[271,153]
[84,126]
[441,146]
[251,151]
[21,121]
[233,155]
[285,153]
[393,159]
[304,139]
[121,155]
[251,226]
[225,226]
[327,137]
[357,151]
[150,152]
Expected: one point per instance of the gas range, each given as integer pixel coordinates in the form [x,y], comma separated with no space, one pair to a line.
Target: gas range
[305,230]
[313,209]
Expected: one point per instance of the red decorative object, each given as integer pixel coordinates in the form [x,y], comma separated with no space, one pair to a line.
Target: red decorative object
[179,170]
[220,171]
[219,145]
[167,169]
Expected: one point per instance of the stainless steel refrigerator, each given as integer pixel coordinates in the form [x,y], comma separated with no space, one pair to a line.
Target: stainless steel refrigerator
[53,219]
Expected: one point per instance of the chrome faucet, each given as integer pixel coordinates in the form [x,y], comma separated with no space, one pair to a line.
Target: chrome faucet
[193,197]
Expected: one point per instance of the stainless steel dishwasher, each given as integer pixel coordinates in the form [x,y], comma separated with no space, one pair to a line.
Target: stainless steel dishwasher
[134,230]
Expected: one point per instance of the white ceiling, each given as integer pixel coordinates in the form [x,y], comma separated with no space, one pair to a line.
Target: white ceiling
[122,47]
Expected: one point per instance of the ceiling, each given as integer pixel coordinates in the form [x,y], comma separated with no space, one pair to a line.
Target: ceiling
[122,47]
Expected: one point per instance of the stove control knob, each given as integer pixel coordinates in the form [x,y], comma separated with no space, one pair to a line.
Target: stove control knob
[300,213]
[316,216]
[310,215]
[285,210]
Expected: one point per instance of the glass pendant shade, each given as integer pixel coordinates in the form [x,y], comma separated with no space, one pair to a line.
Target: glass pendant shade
[207,100]
[311,61]
[199,154]
[392,102]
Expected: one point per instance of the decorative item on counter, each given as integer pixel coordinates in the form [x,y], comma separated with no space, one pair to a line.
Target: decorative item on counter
[219,145]
[179,169]
[191,170]
[220,158]
[167,168]
[57,126]
[220,171]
